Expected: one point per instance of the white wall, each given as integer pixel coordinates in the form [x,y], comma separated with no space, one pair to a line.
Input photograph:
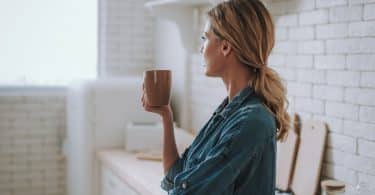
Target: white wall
[325,52]
[126,40]
[32,125]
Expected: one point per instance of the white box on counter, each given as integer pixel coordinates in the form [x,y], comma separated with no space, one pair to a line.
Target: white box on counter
[148,137]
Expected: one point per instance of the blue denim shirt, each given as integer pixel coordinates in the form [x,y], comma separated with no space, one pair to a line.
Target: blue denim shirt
[234,152]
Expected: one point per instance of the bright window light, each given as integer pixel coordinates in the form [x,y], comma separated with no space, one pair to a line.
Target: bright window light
[47,42]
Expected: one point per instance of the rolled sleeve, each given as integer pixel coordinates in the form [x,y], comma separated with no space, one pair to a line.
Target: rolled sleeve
[168,181]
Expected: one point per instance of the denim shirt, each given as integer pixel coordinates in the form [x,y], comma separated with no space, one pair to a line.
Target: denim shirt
[234,152]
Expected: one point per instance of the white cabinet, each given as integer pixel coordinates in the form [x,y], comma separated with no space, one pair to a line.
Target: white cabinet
[111,184]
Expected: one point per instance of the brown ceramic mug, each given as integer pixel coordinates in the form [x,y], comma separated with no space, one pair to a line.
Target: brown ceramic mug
[157,86]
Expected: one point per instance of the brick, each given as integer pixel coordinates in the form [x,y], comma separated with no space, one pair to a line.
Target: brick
[311,76]
[343,78]
[309,105]
[339,173]
[278,8]
[334,124]
[342,142]
[361,29]
[368,79]
[327,92]
[366,148]
[330,3]
[367,114]
[327,31]
[301,33]
[361,62]
[335,156]
[344,14]
[367,45]
[360,163]
[13,100]
[286,20]
[369,12]
[360,130]
[361,96]
[299,89]
[276,60]
[281,34]
[355,2]
[330,62]
[367,181]
[288,74]
[6,191]
[342,110]
[299,61]
[305,115]
[311,47]
[314,17]
[343,46]
[359,188]
[298,5]
[285,47]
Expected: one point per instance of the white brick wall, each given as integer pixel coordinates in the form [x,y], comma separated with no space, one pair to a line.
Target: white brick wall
[336,85]
[325,53]
[32,127]
[126,37]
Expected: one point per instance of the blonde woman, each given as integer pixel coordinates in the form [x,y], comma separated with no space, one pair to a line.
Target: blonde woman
[235,151]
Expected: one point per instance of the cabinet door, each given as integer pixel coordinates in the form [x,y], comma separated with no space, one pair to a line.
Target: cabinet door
[111,184]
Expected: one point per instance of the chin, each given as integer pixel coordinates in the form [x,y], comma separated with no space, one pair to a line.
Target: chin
[210,74]
[207,71]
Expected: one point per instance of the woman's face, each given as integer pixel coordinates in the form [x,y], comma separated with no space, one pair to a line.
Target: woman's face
[211,51]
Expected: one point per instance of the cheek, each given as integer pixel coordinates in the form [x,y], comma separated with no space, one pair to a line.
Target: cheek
[208,50]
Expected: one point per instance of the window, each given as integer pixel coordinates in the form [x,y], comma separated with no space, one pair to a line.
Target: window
[47,42]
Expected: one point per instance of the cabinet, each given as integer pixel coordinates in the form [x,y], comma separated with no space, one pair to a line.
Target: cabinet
[111,184]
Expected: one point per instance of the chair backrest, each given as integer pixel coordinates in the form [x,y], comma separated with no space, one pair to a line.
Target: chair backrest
[286,155]
[307,170]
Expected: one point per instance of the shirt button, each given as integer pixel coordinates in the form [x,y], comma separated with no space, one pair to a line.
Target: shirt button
[184,185]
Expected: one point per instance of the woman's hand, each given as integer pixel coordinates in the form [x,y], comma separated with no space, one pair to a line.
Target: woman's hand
[170,152]
[163,111]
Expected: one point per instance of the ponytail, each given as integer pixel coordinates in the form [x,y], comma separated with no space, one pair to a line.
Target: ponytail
[268,85]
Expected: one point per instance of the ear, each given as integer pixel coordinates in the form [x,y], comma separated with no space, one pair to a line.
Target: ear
[226,48]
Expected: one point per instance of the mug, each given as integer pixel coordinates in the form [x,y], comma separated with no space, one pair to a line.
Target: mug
[157,86]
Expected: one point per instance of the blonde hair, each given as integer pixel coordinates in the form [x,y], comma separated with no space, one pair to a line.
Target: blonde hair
[248,27]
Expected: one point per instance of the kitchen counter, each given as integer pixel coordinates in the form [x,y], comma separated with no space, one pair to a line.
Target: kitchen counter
[144,176]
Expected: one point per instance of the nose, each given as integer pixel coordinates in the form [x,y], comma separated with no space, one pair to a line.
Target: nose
[201,49]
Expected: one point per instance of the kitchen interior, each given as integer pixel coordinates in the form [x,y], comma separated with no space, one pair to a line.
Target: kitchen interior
[71,120]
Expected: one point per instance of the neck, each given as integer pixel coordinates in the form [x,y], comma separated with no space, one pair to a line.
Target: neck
[235,81]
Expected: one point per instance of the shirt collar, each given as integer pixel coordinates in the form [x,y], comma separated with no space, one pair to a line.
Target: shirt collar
[237,100]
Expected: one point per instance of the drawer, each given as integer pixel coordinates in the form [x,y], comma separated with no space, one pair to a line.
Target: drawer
[111,184]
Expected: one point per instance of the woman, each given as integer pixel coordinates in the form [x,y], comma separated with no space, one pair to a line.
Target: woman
[234,153]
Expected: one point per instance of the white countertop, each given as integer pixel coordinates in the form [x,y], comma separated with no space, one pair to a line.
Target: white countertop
[144,175]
